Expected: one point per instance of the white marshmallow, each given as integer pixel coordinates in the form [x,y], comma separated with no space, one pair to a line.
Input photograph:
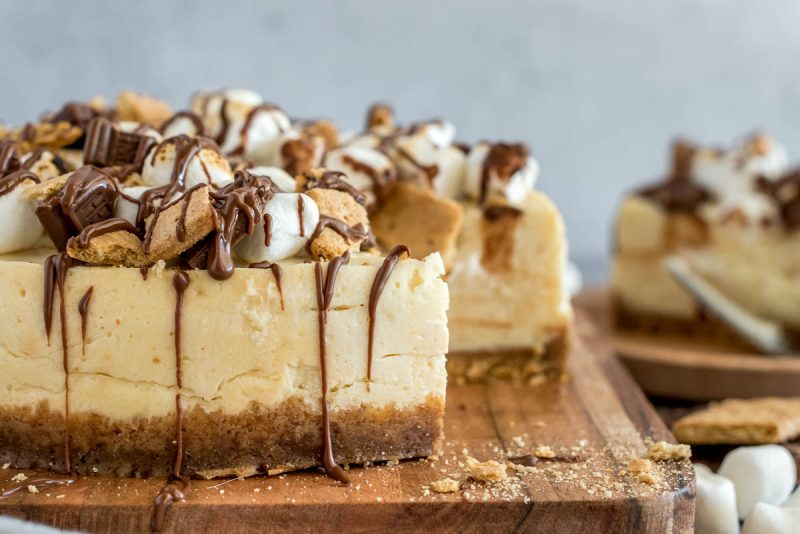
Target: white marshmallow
[793,501]
[440,133]
[271,153]
[181,125]
[124,208]
[279,177]
[338,160]
[142,129]
[208,103]
[514,190]
[766,473]
[370,140]
[20,228]
[768,519]
[756,208]
[159,172]
[285,238]
[715,506]
[419,150]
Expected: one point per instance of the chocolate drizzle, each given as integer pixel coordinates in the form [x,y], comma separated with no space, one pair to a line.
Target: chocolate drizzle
[197,122]
[333,180]
[495,212]
[171,492]
[98,229]
[144,270]
[349,233]
[324,297]
[83,309]
[12,181]
[382,182]
[300,209]
[679,196]
[55,274]
[430,171]
[9,158]
[244,132]
[785,196]
[277,273]
[503,161]
[381,277]
[268,229]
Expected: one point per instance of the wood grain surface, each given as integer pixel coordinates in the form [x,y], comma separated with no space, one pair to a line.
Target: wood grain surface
[668,366]
[594,422]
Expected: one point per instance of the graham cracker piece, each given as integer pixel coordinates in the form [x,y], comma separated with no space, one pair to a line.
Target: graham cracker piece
[114,248]
[418,217]
[199,222]
[325,130]
[341,206]
[490,471]
[662,451]
[47,188]
[135,107]
[742,422]
[445,485]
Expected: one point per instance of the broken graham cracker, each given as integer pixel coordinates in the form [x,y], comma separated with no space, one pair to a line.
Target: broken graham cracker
[445,485]
[489,471]
[418,217]
[662,451]
[162,242]
[47,188]
[742,422]
[114,248]
[132,106]
[343,207]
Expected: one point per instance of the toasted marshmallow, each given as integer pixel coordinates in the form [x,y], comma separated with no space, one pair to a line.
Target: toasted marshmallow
[369,170]
[510,158]
[125,208]
[745,207]
[287,238]
[732,173]
[421,158]
[715,510]
[766,473]
[279,177]
[252,132]
[294,152]
[139,128]
[21,228]
[42,163]
[208,103]
[205,167]
[768,519]
[182,123]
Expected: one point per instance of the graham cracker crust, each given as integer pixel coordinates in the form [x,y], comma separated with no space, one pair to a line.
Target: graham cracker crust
[518,366]
[258,440]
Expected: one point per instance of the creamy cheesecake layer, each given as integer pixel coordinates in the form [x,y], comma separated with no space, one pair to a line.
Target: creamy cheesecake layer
[250,367]
[521,304]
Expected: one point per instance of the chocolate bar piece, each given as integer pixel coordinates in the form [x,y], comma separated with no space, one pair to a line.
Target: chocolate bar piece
[106,146]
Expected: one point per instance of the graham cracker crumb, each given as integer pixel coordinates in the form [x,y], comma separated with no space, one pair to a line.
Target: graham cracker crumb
[445,485]
[544,451]
[47,188]
[644,470]
[489,471]
[6,465]
[32,489]
[19,477]
[662,451]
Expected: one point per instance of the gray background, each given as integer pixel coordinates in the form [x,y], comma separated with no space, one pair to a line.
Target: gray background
[597,87]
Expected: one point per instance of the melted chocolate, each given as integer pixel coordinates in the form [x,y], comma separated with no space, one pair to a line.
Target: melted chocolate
[300,209]
[196,121]
[379,282]
[277,273]
[83,309]
[349,233]
[333,180]
[430,171]
[12,181]
[324,296]
[493,213]
[503,160]
[785,195]
[680,196]
[9,158]
[101,228]
[268,229]
[382,182]
[107,146]
[144,270]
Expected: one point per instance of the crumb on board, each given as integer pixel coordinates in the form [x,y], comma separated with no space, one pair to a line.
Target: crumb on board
[662,451]
[490,471]
[445,485]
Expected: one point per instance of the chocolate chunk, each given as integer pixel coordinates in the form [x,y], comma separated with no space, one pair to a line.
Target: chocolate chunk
[107,146]
[54,222]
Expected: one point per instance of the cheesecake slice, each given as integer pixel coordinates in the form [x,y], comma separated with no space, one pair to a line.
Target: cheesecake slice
[732,217]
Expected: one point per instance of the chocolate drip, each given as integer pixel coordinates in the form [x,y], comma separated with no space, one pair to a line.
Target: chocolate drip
[38,483]
[267,229]
[300,209]
[83,309]
[55,274]
[9,158]
[12,181]
[223,115]
[171,492]
[324,296]
[197,122]
[144,270]
[382,182]
[492,213]
[378,283]
[503,160]
[101,228]
[277,273]
[430,171]
[350,233]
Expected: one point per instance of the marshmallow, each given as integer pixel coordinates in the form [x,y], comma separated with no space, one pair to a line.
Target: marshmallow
[361,165]
[421,158]
[273,154]
[124,208]
[438,132]
[21,228]
[254,131]
[715,506]
[139,128]
[285,236]
[793,501]
[278,176]
[751,207]
[766,473]
[514,188]
[180,124]
[208,103]
[768,519]
[370,140]
[205,167]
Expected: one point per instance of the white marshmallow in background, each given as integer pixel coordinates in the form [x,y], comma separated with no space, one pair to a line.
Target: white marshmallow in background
[124,208]
[768,519]
[180,125]
[285,238]
[207,104]
[793,501]
[142,129]
[514,190]
[715,506]
[20,228]
[272,153]
[766,473]
[159,173]
[337,160]
[419,150]
[278,176]
[261,136]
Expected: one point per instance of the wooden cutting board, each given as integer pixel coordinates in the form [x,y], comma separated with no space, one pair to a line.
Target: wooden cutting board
[692,370]
[594,422]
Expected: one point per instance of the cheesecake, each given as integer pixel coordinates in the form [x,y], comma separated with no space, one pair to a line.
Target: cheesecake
[175,303]
[710,251]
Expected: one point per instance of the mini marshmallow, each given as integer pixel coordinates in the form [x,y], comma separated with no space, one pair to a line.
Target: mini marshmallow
[766,473]
[768,519]
[341,159]
[271,152]
[514,189]
[260,134]
[205,167]
[793,501]
[279,177]
[206,103]
[21,228]
[180,125]
[438,132]
[416,153]
[124,208]
[142,129]
[715,506]
[285,236]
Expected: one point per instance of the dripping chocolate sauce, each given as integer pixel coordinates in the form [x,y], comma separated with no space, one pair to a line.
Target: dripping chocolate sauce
[248,123]
[382,182]
[267,229]
[324,296]
[277,273]
[378,284]
[106,226]
[300,209]
[144,270]
[83,309]
[199,128]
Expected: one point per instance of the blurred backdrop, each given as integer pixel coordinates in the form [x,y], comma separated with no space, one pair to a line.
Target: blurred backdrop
[597,88]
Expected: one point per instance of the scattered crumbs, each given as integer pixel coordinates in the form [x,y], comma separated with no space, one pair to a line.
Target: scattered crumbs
[33,489]
[94,470]
[19,477]
[540,424]
[6,465]
[379,499]
[643,469]
[60,496]
[662,451]
[222,492]
[519,441]
[269,488]
[257,490]
[544,451]
[445,485]
[489,471]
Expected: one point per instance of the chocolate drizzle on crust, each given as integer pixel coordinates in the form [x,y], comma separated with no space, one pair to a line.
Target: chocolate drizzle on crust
[277,273]
[332,180]
[324,297]
[381,277]
[12,181]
